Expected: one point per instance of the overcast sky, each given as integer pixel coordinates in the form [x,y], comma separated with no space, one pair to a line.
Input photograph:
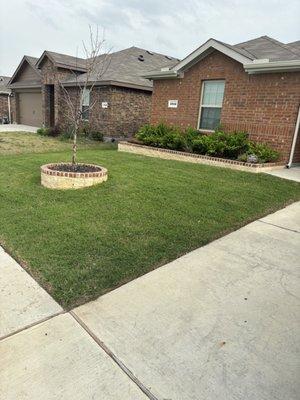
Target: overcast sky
[173,27]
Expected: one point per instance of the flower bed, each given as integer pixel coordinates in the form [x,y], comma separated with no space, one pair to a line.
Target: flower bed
[220,144]
[168,154]
[69,176]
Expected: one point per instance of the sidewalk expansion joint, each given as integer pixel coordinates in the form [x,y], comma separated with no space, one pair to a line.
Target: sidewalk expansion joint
[40,321]
[278,226]
[120,364]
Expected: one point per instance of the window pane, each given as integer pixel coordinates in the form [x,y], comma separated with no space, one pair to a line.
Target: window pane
[85,112]
[213,93]
[210,118]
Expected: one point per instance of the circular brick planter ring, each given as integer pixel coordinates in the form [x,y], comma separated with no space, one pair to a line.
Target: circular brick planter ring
[68,176]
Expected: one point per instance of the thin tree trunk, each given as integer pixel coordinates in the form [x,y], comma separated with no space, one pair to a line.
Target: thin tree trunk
[74,155]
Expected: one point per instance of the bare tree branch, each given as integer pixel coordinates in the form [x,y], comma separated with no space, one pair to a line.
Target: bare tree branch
[96,65]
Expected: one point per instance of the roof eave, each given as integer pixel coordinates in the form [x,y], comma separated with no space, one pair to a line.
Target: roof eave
[273,66]
[25,86]
[70,67]
[171,74]
[111,83]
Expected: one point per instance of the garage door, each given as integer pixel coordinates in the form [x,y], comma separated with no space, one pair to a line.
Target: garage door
[30,108]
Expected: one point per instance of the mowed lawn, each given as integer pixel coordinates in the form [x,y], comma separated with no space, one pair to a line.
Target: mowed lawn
[81,243]
[26,142]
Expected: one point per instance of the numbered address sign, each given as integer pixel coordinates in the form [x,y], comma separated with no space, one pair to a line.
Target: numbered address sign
[172,103]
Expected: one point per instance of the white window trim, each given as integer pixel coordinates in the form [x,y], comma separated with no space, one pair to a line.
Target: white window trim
[204,105]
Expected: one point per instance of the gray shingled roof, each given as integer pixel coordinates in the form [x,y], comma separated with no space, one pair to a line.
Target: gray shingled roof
[3,84]
[295,46]
[66,60]
[32,61]
[265,47]
[125,67]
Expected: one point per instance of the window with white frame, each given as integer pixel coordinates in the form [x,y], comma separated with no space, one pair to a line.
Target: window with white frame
[211,104]
[85,106]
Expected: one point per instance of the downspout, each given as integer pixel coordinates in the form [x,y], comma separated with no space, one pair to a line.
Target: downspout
[9,109]
[294,141]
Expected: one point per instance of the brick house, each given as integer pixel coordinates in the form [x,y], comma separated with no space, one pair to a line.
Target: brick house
[121,97]
[252,86]
[5,100]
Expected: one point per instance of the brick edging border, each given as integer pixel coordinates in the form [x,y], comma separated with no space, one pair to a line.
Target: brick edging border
[46,170]
[192,157]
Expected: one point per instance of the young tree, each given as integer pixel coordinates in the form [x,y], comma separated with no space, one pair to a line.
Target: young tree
[95,65]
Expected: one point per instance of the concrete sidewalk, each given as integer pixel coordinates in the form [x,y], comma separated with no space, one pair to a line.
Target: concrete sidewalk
[17,128]
[292,174]
[221,322]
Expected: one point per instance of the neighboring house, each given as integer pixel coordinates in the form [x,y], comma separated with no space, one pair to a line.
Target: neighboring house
[252,86]
[121,95]
[4,99]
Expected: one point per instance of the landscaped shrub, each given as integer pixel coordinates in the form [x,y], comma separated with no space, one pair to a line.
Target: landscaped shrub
[42,131]
[95,135]
[190,135]
[164,136]
[53,131]
[221,144]
[88,132]
[263,152]
[235,146]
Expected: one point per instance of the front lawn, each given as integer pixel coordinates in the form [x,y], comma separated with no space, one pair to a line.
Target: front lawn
[80,244]
[28,142]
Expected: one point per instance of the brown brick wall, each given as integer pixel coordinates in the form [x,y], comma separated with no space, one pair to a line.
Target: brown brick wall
[264,105]
[128,109]
[51,75]
[3,105]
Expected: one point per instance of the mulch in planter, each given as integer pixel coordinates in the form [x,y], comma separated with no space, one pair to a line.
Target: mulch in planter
[74,168]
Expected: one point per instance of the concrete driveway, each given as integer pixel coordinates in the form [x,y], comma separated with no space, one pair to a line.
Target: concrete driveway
[221,322]
[17,128]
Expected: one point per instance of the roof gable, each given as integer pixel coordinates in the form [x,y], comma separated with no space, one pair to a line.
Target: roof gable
[260,55]
[26,72]
[204,50]
[63,61]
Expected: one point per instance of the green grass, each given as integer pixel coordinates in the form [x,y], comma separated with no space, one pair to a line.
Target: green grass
[80,244]
[26,142]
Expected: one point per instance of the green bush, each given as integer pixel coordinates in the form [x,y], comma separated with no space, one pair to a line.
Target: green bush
[235,146]
[221,144]
[87,131]
[203,145]
[52,131]
[263,152]
[190,135]
[42,131]
[95,135]
[164,136]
